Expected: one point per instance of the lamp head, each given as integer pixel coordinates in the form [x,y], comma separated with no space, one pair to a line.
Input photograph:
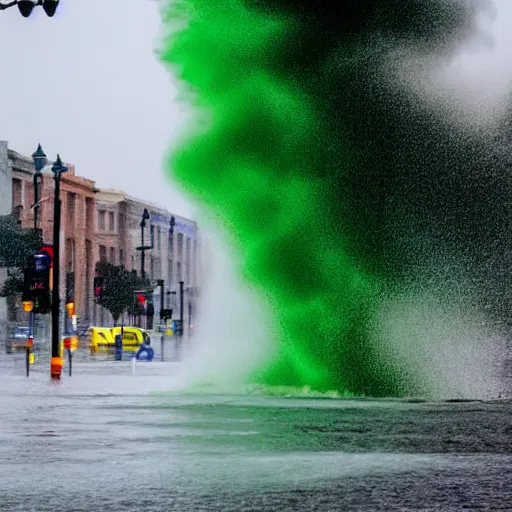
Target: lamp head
[50,6]
[26,7]
[58,167]
[39,158]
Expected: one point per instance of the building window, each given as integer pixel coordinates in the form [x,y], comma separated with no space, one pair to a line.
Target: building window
[169,272]
[152,236]
[88,279]
[111,223]
[121,257]
[158,239]
[187,251]
[180,246]
[71,209]
[178,271]
[70,255]
[120,222]
[169,242]
[89,211]
[113,255]
[101,220]
[16,193]
[103,253]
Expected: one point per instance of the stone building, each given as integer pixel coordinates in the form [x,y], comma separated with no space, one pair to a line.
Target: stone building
[118,234]
[5,209]
[77,224]
[102,224]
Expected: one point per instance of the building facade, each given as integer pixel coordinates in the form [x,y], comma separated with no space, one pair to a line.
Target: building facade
[101,224]
[5,209]
[172,259]
[77,224]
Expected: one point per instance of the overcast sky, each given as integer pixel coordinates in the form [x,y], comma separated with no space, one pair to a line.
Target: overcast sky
[86,84]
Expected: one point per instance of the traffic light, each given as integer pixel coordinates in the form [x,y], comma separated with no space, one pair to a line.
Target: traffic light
[36,277]
[42,304]
[99,283]
[28,306]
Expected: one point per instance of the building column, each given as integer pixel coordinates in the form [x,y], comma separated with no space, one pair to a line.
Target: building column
[5,209]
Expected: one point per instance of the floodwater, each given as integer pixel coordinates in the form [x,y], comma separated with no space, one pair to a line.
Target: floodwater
[105,439]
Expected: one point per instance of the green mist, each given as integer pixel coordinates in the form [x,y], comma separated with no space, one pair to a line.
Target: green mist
[252,157]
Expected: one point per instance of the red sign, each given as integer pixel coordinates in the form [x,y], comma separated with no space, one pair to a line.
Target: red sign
[48,249]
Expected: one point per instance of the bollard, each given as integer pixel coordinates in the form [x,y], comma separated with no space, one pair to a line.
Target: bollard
[118,347]
[70,359]
[162,348]
[28,360]
[56,364]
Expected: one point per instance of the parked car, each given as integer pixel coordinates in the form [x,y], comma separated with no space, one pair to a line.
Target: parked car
[19,337]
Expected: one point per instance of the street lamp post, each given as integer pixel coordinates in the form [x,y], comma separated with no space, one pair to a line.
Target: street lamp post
[143,248]
[56,362]
[181,307]
[39,162]
[26,6]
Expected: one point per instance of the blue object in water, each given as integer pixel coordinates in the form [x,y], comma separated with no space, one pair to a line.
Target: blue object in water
[118,347]
[145,353]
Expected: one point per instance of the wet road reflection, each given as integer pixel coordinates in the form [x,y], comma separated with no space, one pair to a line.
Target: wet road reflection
[108,440]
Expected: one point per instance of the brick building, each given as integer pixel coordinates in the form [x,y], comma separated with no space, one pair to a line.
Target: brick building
[77,223]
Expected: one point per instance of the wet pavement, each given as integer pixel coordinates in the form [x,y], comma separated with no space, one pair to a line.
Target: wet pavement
[109,440]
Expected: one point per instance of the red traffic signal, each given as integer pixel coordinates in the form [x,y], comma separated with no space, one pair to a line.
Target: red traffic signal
[141,299]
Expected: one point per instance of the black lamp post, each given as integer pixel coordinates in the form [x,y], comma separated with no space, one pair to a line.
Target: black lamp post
[181,307]
[26,6]
[172,223]
[39,162]
[56,363]
[143,248]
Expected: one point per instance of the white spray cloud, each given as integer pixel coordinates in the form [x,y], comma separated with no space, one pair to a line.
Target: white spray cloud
[232,335]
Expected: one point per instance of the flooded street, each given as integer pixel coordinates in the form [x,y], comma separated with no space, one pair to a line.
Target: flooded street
[107,440]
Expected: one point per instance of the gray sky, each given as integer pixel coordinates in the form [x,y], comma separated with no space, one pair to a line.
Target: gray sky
[86,84]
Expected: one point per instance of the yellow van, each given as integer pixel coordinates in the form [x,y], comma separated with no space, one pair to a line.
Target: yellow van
[102,339]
